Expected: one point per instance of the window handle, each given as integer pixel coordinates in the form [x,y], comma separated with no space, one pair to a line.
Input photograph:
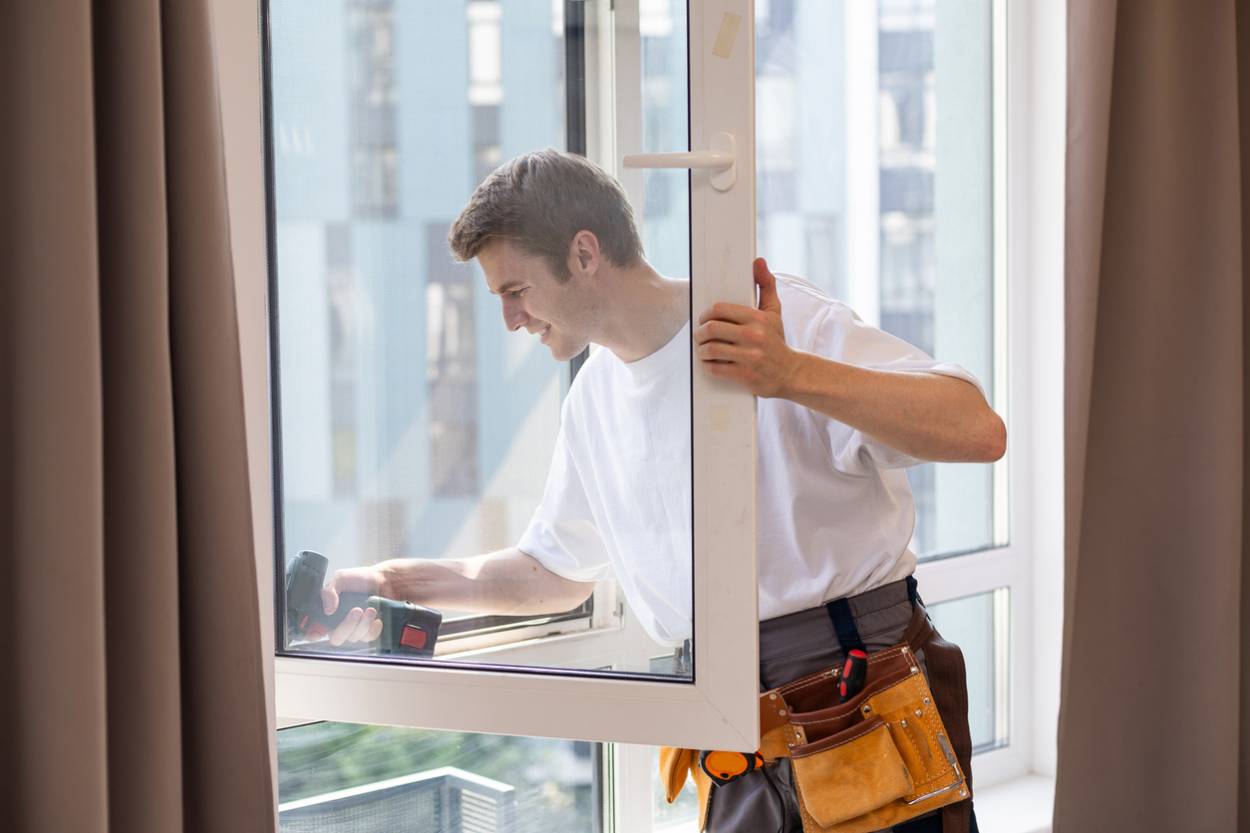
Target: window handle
[720,159]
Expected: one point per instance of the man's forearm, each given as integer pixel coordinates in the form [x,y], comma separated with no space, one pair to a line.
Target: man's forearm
[925,415]
[504,583]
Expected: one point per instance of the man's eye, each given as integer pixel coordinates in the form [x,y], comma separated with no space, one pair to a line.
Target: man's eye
[517,293]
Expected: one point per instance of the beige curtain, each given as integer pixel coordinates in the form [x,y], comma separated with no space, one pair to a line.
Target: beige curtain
[1154,725]
[132,691]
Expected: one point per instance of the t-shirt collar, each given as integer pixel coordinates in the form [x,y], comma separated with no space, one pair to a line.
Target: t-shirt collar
[649,367]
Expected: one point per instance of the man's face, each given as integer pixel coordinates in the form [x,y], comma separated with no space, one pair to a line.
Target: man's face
[560,312]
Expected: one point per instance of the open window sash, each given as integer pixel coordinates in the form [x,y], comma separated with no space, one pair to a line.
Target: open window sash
[718,708]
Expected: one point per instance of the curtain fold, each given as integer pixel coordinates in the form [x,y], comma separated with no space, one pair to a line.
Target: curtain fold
[1152,727]
[135,697]
[1243,111]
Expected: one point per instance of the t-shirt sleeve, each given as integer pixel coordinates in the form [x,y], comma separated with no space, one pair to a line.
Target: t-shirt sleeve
[562,535]
[843,337]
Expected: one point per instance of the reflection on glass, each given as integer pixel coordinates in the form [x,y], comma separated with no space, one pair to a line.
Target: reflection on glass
[979,625]
[874,181]
[442,472]
[339,776]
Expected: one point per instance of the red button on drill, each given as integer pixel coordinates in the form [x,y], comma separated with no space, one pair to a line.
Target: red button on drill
[413,637]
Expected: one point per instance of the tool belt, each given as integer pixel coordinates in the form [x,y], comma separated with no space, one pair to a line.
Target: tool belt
[898,749]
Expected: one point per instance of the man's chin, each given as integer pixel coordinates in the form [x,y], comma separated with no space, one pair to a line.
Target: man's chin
[565,352]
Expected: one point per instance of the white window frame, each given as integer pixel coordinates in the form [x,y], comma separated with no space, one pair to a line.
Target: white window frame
[719,709]
[1014,784]
[1032,565]
[1029,118]
[1029,56]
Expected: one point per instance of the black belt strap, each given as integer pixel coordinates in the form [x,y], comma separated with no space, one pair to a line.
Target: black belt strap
[844,623]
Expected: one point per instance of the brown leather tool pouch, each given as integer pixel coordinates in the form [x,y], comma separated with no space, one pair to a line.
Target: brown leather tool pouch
[849,775]
[879,759]
[891,753]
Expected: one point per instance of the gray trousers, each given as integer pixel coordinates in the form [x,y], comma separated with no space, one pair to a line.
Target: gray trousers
[794,646]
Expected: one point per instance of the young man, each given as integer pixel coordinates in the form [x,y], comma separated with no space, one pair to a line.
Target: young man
[843,408]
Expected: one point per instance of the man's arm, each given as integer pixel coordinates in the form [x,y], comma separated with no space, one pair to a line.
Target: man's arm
[924,415]
[506,583]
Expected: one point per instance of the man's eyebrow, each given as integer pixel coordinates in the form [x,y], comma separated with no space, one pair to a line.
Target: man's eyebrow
[507,287]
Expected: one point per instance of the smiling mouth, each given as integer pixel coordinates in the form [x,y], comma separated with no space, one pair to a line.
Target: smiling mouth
[542,335]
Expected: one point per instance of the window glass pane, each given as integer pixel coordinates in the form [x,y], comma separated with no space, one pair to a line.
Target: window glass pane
[874,127]
[665,128]
[338,777]
[418,426]
[979,626]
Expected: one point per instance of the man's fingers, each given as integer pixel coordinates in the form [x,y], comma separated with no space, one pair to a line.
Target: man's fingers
[344,628]
[360,633]
[718,331]
[740,314]
[721,370]
[352,580]
[767,282]
[329,599]
[359,625]
[735,313]
[356,580]
[719,351]
[343,631]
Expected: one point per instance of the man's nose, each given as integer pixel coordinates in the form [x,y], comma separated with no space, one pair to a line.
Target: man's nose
[514,315]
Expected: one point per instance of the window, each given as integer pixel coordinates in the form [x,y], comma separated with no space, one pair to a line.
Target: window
[413,424]
[893,208]
[880,190]
[371,73]
[387,307]
[988,583]
[336,776]
[451,371]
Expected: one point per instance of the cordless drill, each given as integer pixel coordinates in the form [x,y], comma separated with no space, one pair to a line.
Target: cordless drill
[407,628]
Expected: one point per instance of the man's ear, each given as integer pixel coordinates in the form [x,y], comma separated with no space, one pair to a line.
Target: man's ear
[584,253]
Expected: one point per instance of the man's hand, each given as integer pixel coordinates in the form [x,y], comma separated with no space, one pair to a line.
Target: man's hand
[503,583]
[358,625]
[748,345]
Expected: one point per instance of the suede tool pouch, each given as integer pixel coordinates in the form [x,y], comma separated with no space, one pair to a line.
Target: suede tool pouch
[879,759]
[842,778]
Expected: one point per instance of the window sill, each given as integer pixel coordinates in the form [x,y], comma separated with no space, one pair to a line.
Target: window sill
[1023,805]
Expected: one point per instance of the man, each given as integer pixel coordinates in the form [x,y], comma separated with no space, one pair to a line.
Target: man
[843,408]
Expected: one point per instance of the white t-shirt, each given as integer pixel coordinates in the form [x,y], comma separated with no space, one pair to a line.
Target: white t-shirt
[834,509]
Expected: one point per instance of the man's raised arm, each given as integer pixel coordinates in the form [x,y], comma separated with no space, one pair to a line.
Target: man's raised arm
[925,415]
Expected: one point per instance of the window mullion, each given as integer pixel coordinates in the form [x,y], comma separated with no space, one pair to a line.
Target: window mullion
[967,575]
[631,787]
